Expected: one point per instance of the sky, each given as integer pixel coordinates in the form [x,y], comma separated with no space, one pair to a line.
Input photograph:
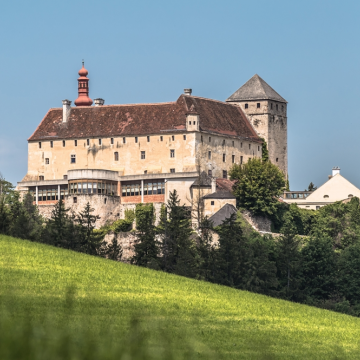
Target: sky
[149,51]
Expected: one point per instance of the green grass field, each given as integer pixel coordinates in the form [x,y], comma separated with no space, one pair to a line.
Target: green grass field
[58,304]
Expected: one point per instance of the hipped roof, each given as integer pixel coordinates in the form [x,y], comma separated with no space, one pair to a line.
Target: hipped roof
[144,119]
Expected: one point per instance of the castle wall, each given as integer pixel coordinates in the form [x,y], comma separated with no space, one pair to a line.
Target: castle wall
[95,156]
[205,142]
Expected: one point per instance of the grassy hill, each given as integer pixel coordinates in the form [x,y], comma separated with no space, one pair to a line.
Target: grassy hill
[74,306]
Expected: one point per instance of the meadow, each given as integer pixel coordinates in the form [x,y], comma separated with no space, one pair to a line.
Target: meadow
[58,304]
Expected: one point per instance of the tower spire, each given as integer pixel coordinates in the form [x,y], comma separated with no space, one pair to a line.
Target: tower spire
[83,88]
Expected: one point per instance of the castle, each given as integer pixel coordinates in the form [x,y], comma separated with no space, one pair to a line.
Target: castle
[115,156]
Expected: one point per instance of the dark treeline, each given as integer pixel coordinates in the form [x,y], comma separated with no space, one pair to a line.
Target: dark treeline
[321,269]
[76,232]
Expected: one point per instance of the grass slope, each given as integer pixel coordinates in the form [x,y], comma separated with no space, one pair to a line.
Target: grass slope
[36,280]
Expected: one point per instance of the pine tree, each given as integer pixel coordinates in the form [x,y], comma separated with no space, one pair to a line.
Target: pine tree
[146,247]
[178,250]
[113,250]
[4,216]
[232,253]
[90,241]
[288,260]
[318,268]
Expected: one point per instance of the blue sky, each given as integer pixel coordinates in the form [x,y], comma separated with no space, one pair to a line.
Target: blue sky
[149,51]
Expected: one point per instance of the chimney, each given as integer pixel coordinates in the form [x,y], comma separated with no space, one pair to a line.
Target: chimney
[335,170]
[213,185]
[187,91]
[99,102]
[66,110]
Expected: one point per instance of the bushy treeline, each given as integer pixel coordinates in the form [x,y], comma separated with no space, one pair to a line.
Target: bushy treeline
[321,269]
[21,219]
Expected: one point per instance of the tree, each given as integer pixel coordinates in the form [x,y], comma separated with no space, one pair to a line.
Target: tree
[232,253]
[6,187]
[113,250]
[349,273]
[258,186]
[288,260]
[178,250]
[264,151]
[146,247]
[318,268]
[60,230]
[90,241]
[5,220]
[311,187]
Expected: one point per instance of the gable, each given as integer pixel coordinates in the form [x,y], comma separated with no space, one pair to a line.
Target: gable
[337,188]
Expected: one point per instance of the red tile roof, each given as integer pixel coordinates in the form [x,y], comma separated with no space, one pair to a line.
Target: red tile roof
[224,184]
[144,119]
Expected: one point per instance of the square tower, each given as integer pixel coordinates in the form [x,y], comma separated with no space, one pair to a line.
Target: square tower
[267,113]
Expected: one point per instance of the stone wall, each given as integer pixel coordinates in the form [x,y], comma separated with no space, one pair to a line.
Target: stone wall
[127,242]
[259,223]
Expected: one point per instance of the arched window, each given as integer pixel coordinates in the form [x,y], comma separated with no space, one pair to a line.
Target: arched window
[350,195]
[326,196]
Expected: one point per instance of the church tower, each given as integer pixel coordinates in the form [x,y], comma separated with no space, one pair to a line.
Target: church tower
[266,110]
[83,88]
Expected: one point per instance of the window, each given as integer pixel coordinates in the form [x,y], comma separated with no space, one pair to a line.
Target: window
[249,146]
[209,138]
[258,105]
[224,174]
[258,148]
[317,207]
[326,196]
[47,161]
[145,171]
[241,159]
[136,139]
[189,122]
[224,157]
[350,195]
[112,141]
[194,122]
[212,203]
[184,136]
[116,156]
[63,143]
[172,153]
[51,144]
[124,140]
[75,200]
[161,138]
[201,138]
[148,138]
[41,178]
[209,155]
[277,107]
[210,172]
[172,137]
[65,177]
[73,159]
[246,106]
[172,170]
[223,142]
[105,201]
[233,143]
[277,159]
[100,142]
[142,155]
[241,145]
[271,106]
[88,142]
[233,159]
[282,107]
[39,144]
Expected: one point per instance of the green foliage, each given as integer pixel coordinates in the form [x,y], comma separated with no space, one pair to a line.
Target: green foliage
[318,268]
[121,225]
[130,215]
[146,247]
[6,188]
[112,250]
[258,187]
[264,151]
[311,187]
[59,304]
[178,250]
